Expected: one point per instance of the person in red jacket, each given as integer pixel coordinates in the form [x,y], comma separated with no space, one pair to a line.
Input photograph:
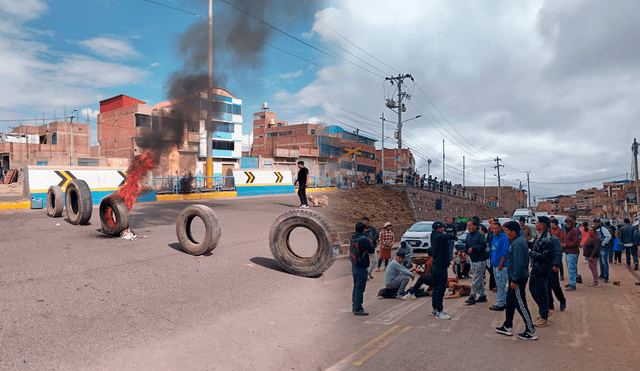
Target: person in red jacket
[571,249]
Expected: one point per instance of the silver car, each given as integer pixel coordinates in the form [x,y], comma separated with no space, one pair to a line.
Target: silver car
[419,236]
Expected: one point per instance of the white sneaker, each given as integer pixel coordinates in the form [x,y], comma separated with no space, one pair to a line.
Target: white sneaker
[442,315]
[434,312]
[409,297]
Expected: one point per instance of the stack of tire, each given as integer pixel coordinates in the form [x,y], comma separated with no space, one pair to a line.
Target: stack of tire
[77,200]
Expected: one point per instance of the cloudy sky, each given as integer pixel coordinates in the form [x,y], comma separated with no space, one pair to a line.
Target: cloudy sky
[547,86]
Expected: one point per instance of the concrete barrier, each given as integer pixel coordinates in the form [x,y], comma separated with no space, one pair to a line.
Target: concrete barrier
[251,182]
[101,181]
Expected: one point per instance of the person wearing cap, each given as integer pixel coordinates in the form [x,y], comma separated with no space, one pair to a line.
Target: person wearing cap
[372,233]
[554,282]
[386,244]
[301,181]
[571,248]
[559,233]
[542,256]
[499,260]
[605,237]
[441,260]
[451,228]
[518,273]
[359,271]
[397,276]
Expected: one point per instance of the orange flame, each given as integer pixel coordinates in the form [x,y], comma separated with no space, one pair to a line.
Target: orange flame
[139,166]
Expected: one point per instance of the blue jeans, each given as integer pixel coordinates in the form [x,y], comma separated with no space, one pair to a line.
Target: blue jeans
[604,262]
[501,282]
[572,266]
[359,284]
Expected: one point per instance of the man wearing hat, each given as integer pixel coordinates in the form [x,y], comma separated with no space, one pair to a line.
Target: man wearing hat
[386,244]
[441,261]
[397,276]
[605,237]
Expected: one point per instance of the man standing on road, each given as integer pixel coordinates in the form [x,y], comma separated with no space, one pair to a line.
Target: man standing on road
[303,174]
[379,177]
[526,231]
[477,250]
[372,234]
[559,233]
[451,229]
[542,255]
[571,248]
[499,258]
[518,272]
[397,276]
[554,282]
[605,236]
[628,241]
[441,260]
[359,252]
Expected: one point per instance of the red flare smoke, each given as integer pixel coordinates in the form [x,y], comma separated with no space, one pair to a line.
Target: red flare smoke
[139,166]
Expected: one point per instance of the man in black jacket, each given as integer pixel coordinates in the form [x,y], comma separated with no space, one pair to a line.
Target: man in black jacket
[542,255]
[477,250]
[441,261]
[303,174]
[359,267]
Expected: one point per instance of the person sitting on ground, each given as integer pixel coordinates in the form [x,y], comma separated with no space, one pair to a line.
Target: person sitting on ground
[397,276]
[424,279]
[462,266]
[407,250]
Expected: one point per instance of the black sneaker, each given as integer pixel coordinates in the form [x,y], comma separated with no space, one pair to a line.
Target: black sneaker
[528,336]
[498,308]
[570,288]
[470,301]
[505,330]
[361,312]
[567,285]
[482,299]
[563,306]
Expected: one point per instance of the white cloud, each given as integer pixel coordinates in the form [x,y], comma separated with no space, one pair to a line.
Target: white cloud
[154,64]
[23,9]
[110,48]
[500,72]
[290,75]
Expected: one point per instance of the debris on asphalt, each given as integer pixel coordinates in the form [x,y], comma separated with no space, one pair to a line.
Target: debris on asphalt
[248,265]
[128,234]
[616,283]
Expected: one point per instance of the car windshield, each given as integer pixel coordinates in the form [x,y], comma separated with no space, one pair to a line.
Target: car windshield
[421,227]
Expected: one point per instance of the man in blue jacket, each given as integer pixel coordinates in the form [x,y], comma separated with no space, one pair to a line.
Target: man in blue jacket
[499,262]
[518,272]
[477,250]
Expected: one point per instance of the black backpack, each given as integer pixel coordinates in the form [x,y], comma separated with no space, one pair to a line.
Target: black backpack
[355,256]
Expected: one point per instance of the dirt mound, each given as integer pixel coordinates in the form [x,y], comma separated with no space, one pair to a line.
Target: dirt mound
[380,204]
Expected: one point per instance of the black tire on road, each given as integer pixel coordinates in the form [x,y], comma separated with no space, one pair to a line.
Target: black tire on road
[78,202]
[212,226]
[281,229]
[114,215]
[55,201]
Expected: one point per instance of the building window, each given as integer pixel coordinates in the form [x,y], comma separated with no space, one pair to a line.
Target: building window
[237,110]
[313,131]
[284,133]
[54,138]
[223,127]
[257,136]
[223,144]
[270,135]
[143,121]
[193,126]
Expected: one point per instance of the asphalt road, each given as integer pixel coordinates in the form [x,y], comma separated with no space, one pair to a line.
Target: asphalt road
[75,299]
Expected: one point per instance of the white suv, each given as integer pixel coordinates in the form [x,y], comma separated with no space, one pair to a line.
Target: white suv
[419,236]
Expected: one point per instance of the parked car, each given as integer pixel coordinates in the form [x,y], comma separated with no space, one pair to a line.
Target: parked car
[418,236]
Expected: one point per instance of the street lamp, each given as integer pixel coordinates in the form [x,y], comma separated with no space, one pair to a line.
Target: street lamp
[75,110]
[417,117]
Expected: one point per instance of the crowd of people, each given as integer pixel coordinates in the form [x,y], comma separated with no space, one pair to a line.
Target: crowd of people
[429,183]
[512,254]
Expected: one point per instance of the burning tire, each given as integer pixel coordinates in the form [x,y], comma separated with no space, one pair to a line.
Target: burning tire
[55,201]
[281,229]
[114,215]
[212,227]
[79,202]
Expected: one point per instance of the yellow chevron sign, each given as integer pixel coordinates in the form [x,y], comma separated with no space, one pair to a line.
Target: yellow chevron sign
[353,151]
[250,177]
[66,177]
[279,177]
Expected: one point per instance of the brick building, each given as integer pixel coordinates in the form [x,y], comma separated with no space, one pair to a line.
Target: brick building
[45,145]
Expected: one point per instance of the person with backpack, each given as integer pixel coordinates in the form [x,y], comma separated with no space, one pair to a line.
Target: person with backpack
[605,237]
[359,252]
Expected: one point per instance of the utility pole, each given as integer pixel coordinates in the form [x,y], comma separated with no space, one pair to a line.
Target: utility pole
[355,157]
[497,159]
[75,110]
[528,191]
[635,158]
[428,168]
[398,81]
[443,160]
[463,171]
[382,118]
[209,124]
